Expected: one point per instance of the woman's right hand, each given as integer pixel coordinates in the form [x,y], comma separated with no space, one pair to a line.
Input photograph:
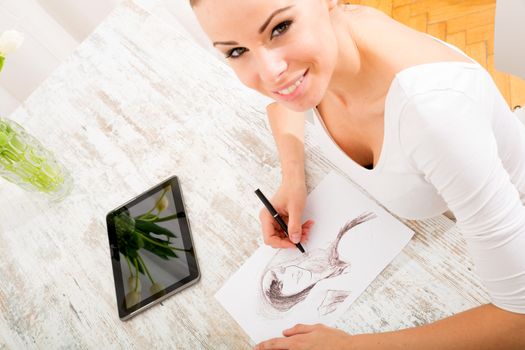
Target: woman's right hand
[289,201]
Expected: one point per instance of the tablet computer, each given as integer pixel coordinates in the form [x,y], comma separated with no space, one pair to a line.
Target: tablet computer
[152,251]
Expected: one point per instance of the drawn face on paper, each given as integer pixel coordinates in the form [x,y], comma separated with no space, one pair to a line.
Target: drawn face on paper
[298,278]
[288,283]
[299,274]
[289,280]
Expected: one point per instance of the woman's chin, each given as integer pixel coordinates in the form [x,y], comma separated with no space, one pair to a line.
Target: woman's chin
[299,106]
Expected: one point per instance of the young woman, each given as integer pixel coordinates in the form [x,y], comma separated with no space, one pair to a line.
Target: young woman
[416,122]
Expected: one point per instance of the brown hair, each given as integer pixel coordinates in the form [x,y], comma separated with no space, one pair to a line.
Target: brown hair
[193,3]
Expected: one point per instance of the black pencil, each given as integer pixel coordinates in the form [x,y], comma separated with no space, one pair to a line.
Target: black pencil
[276,216]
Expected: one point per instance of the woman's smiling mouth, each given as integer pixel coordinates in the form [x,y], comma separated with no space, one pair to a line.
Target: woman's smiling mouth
[293,89]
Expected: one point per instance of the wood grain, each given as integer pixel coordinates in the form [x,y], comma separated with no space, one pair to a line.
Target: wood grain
[137,102]
[467,24]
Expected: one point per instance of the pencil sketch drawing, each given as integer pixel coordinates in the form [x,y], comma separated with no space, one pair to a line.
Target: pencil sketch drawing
[284,285]
[331,300]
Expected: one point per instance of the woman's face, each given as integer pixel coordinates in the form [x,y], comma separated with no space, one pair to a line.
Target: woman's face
[284,49]
[295,278]
[297,275]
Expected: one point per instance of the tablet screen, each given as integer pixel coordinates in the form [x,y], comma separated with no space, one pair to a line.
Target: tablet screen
[152,250]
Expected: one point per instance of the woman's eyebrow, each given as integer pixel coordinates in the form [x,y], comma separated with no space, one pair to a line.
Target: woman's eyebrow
[262,29]
[225,43]
[265,24]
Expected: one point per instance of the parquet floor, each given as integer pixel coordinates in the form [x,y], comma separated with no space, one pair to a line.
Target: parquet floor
[467,24]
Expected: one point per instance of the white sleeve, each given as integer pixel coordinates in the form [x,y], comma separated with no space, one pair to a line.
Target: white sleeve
[449,138]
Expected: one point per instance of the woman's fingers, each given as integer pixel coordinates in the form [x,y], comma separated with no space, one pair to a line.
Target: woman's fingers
[294,224]
[307,227]
[272,234]
[277,242]
[300,329]
[267,226]
[274,344]
[275,237]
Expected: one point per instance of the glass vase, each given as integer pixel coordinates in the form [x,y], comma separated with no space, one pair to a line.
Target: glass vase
[27,163]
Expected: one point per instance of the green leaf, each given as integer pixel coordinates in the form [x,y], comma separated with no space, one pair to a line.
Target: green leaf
[147,226]
[3,139]
[172,254]
[141,268]
[2,58]
[171,217]
[163,252]
[124,223]
[147,217]
[168,252]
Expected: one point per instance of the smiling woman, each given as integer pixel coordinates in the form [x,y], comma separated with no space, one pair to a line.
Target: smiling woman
[414,121]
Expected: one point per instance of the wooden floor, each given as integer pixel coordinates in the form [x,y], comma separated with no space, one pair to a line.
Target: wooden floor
[467,24]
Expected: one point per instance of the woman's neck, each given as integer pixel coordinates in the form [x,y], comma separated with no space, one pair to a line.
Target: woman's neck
[359,78]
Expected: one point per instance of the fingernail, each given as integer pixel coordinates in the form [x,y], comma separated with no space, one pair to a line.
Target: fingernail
[295,238]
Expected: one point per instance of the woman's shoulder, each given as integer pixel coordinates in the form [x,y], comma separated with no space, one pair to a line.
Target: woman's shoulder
[363,12]
[385,40]
[362,19]
[454,76]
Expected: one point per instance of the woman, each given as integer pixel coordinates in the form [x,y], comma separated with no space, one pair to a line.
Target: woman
[418,124]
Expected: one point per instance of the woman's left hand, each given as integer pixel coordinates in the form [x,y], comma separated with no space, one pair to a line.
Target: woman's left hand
[302,336]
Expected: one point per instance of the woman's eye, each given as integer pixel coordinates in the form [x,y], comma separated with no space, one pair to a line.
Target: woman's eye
[236,52]
[281,28]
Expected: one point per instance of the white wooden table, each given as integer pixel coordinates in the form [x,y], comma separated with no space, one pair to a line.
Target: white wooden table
[136,103]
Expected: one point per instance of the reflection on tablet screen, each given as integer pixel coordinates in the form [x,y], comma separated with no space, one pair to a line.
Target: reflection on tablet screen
[151,247]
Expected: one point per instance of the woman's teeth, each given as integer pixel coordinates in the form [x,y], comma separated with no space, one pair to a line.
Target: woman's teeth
[292,88]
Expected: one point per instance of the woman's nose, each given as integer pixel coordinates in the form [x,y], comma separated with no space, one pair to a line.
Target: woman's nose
[270,66]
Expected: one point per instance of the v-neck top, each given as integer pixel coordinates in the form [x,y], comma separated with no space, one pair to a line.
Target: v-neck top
[451,143]
[394,181]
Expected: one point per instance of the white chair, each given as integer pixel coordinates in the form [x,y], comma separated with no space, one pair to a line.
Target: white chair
[78,17]
[52,30]
[509,39]
[181,12]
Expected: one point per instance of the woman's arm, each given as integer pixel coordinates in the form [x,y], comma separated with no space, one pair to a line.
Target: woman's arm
[449,137]
[485,327]
[288,131]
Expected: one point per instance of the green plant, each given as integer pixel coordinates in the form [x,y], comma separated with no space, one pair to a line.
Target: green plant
[23,160]
[143,232]
[21,156]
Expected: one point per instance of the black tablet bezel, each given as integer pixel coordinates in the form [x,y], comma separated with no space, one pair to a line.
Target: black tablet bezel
[125,313]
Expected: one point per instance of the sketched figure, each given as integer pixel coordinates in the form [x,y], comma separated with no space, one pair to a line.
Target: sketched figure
[288,283]
[331,300]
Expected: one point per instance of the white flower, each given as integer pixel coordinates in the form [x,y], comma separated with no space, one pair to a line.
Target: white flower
[134,281]
[132,298]
[156,288]
[10,40]
[162,204]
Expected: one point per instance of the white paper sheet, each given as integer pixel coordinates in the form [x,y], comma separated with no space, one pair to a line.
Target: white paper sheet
[276,289]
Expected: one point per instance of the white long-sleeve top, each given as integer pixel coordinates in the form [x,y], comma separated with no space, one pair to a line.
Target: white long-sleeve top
[451,142]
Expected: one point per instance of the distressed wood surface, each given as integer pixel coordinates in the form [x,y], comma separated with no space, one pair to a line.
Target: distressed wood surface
[136,103]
